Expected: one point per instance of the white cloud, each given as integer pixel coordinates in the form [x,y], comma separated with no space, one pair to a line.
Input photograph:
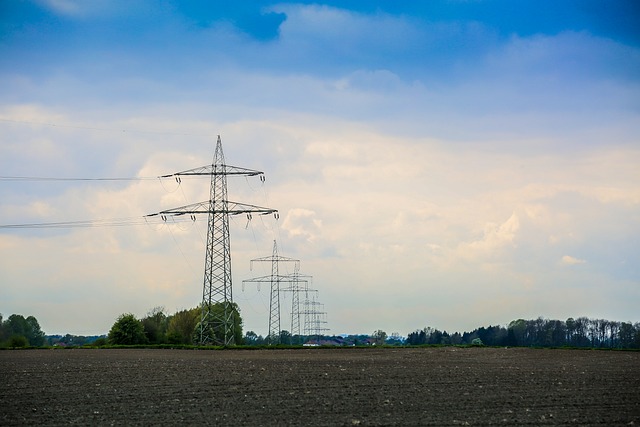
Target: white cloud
[65,7]
[563,54]
[569,260]
[300,222]
[345,31]
[90,9]
[495,237]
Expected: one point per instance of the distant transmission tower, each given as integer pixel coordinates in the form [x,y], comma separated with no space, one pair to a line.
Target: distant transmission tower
[274,280]
[314,318]
[218,311]
[298,284]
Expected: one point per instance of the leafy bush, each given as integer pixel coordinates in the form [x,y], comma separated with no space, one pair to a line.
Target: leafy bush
[100,342]
[127,331]
[18,341]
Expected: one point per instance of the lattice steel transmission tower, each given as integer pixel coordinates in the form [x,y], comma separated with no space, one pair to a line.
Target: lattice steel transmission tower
[314,318]
[218,314]
[299,283]
[274,280]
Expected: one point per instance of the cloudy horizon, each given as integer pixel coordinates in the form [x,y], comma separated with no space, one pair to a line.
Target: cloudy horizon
[454,164]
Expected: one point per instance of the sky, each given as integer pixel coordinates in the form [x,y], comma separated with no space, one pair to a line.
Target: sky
[451,163]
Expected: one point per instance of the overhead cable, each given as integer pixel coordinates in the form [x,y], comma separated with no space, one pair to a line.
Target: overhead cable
[46,178]
[112,222]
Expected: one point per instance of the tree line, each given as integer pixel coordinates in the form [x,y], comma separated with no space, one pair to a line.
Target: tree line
[540,332]
[157,327]
[182,327]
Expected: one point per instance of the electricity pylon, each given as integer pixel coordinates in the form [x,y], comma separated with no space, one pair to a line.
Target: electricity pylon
[218,311]
[299,283]
[274,280]
[314,318]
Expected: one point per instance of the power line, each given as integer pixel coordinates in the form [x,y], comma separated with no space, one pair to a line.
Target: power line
[92,223]
[46,178]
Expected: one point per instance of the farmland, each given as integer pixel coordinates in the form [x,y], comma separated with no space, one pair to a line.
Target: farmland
[354,386]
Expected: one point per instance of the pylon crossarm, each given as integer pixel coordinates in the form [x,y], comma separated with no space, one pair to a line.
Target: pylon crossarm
[299,290]
[232,208]
[302,277]
[271,258]
[275,258]
[216,170]
[273,278]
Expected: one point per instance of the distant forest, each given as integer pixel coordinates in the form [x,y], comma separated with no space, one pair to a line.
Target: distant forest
[540,332]
[178,329]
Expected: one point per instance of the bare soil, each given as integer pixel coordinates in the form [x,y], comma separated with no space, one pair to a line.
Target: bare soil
[430,386]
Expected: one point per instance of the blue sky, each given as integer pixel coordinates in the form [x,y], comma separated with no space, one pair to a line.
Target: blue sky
[447,163]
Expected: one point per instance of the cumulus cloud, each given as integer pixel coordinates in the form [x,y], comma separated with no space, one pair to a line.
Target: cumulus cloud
[101,9]
[66,7]
[302,223]
[495,237]
[569,260]
[324,27]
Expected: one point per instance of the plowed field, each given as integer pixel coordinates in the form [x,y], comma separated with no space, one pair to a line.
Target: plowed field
[433,386]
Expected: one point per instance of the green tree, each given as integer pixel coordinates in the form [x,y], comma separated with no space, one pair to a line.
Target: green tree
[394,339]
[517,332]
[570,325]
[35,335]
[436,337]
[155,325]
[417,337]
[251,338]
[181,327]
[17,325]
[217,311]
[379,337]
[627,332]
[285,337]
[127,330]
[3,333]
